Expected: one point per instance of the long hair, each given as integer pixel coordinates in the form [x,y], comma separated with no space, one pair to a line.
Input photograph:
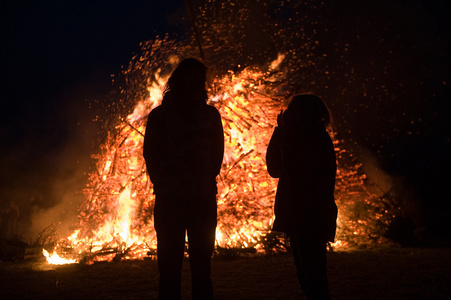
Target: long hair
[306,112]
[186,85]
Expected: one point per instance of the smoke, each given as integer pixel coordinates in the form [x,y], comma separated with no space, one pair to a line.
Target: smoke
[52,190]
[380,181]
[408,224]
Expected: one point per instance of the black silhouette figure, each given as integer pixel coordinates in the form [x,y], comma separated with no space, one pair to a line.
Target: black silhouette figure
[183,149]
[9,215]
[301,154]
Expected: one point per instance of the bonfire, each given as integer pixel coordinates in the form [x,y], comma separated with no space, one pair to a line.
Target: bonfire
[116,217]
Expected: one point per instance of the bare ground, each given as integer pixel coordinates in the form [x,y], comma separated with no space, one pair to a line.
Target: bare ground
[387,273]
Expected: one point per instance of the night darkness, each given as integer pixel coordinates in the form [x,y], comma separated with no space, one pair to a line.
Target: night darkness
[388,88]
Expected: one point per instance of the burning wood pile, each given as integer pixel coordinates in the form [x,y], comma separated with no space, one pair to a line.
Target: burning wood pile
[115,220]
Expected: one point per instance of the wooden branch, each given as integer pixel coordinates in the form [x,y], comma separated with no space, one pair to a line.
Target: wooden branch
[242,156]
[133,127]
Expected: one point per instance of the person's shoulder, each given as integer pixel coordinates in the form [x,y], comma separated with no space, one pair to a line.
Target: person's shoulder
[156,111]
[155,115]
[212,110]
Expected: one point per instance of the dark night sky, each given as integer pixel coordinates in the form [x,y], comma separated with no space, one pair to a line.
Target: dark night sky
[49,45]
[57,58]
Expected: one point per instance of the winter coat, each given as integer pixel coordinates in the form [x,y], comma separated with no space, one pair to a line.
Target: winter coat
[183,149]
[305,164]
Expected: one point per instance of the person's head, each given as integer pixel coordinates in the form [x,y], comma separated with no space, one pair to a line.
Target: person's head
[306,112]
[187,82]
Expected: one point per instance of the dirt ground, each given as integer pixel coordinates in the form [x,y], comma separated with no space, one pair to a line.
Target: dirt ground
[387,273]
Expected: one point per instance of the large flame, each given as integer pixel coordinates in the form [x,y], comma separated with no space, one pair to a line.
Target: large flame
[116,217]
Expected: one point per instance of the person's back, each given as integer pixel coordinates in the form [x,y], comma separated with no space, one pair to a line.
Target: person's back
[188,149]
[183,149]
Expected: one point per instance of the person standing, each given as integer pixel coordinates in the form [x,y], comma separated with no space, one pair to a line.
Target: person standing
[8,220]
[183,150]
[301,154]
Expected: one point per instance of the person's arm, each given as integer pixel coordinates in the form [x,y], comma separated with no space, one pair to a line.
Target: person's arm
[218,144]
[274,154]
[150,148]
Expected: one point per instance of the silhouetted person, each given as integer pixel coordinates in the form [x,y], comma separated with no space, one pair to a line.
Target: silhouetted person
[183,149]
[8,220]
[301,154]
